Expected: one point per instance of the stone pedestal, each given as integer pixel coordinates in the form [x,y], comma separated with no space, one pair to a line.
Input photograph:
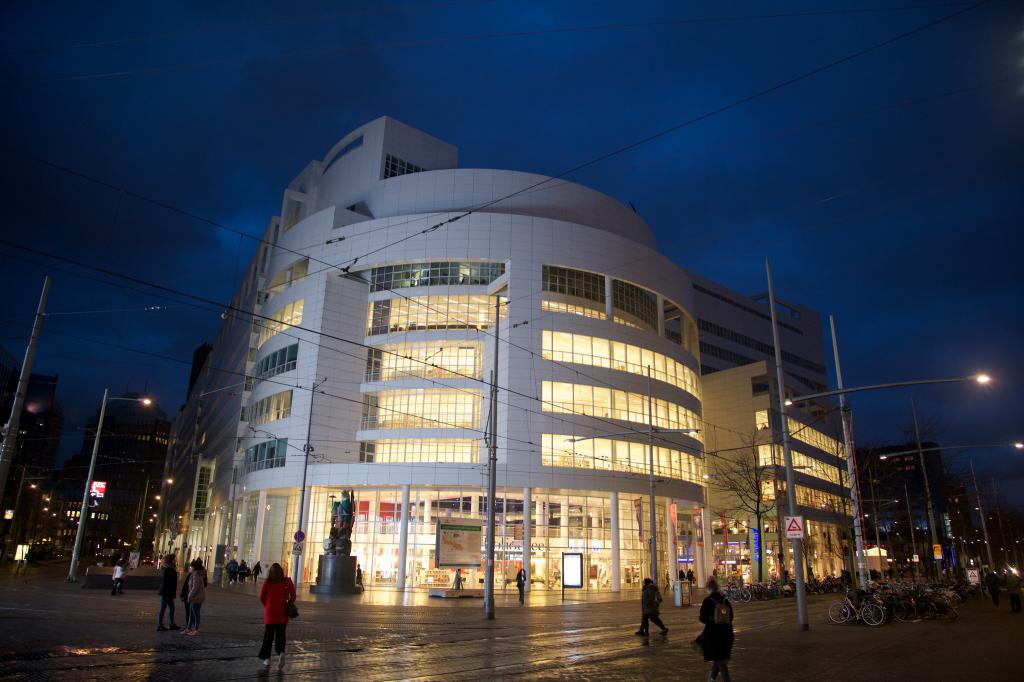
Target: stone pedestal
[336,574]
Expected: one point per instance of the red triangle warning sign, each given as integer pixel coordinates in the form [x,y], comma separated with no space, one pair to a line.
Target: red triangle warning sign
[794,526]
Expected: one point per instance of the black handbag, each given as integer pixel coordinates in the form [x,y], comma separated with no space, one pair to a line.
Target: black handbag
[290,610]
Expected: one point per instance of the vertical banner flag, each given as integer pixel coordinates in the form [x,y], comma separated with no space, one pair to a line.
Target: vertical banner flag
[638,506]
[698,527]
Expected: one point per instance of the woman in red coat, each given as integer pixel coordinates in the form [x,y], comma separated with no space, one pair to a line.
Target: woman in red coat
[278,591]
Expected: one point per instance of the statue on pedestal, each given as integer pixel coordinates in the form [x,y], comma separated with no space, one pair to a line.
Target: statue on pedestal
[343,519]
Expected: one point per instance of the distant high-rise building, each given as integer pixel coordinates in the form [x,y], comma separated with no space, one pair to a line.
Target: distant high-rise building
[199,357]
[131,459]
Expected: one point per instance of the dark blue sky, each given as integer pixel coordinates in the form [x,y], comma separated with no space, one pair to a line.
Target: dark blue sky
[887,191]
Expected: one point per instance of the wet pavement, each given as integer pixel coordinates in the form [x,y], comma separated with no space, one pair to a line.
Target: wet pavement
[50,630]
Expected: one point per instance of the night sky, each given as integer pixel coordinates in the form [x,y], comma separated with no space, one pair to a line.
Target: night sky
[887,191]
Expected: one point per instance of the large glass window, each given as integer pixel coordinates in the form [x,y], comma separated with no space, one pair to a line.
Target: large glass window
[610,403]
[433,274]
[280,361]
[636,301]
[769,456]
[805,434]
[271,408]
[394,166]
[288,315]
[432,312]
[619,455]
[268,455]
[573,309]
[458,451]
[571,282]
[286,278]
[597,352]
[421,408]
[438,360]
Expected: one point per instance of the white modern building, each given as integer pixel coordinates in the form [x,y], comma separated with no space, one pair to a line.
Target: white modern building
[366,328]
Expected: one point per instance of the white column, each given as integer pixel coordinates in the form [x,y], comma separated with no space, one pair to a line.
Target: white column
[616,562]
[261,516]
[403,537]
[241,520]
[699,551]
[527,535]
[709,543]
[608,299]
[671,559]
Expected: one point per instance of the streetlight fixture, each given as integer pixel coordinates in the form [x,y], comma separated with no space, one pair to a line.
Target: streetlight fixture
[977,378]
[83,515]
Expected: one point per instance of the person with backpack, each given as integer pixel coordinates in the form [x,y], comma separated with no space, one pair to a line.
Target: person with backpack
[232,571]
[716,640]
[650,601]
[278,598]
[257,571]
[195,589]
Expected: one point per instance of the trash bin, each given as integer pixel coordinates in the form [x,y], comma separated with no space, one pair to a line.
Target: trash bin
[677,592]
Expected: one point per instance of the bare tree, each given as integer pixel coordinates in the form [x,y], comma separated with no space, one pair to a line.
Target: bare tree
[747,486]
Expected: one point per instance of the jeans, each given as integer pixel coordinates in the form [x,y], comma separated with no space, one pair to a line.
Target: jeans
[272,634]
[165,603]
[193,616]
[118,586]
[1015,602]
[645,628]
[720,667]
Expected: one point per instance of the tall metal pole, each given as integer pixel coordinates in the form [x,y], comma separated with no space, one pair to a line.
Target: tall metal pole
[84,515]
[798,554]
[927,491]
[984,526]
[851,466]
[913,542]
[874,510]
[306,450]
[492,472]
[999,518]
[652,536]
[9,448]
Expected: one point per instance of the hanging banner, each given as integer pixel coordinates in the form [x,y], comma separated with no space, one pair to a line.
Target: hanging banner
[457,543]
[672,525]
[638,506]
[698,527]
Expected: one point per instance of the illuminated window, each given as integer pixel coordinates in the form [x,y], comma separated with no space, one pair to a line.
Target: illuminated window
[437,360]
[804,464]
[624,321]
[432,312]
[619,455]
[286,278]
[426,450]
[597,352]
[394,166]
[636,301]
[560,307]
[815,438]
[287,316]
[268,455]
[271,408]
[610,403]
[578,283]
[433,274]
[421,408]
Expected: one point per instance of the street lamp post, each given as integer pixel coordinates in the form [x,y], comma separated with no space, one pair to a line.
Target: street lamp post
[84,513]
[927,495]
[984,526]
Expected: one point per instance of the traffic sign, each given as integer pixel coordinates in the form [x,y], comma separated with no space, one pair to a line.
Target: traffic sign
[297,548]
[794,527]
[299,536]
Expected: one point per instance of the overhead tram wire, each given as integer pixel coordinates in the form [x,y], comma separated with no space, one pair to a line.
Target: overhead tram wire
[480,37]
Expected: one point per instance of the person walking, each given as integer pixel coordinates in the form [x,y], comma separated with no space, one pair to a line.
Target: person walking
[1013,590]
[277,593]
[716,640]
[458,579]
[992,583]
[168,591]
[521,585]
[196,594]
[689,577]
[232,571]
[257,571]
[359,575]
[650,601]
[119,572]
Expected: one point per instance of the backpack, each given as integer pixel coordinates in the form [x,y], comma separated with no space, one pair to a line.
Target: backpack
[723,613]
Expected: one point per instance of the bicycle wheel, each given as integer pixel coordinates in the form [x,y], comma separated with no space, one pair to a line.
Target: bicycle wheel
[872,614]
[839,612]
[745,595]
[902,612]
[926,609]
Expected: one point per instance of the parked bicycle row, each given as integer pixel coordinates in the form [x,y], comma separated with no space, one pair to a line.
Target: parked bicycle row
[889,602]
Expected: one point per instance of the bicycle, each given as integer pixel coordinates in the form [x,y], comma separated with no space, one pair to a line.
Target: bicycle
[867,610]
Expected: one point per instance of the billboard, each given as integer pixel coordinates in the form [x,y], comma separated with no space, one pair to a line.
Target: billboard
[457,543]
[572,570]
[98,488]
